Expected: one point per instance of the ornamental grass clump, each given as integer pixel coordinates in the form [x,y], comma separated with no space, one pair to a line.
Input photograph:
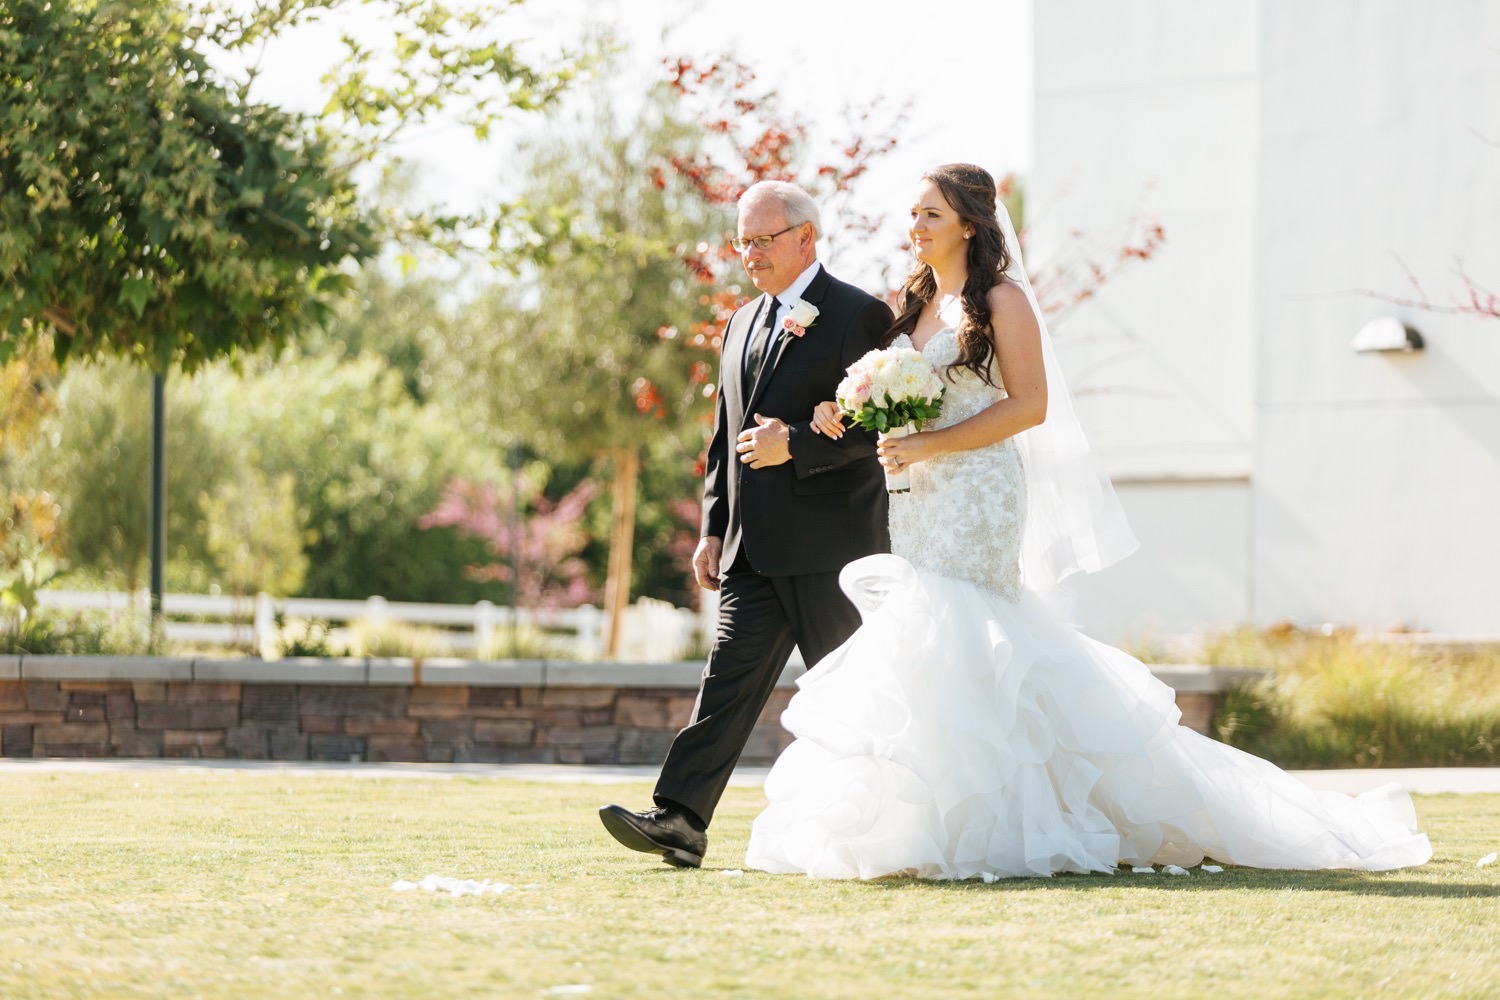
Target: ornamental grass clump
[1344,701]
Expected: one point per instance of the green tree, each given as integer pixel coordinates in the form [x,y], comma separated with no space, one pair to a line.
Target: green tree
[579,356]
[30,525]
[144,211]
[27,384]
[94,457]
[292,474]
[367,462]
[150,209]
[253,531]
[406,322]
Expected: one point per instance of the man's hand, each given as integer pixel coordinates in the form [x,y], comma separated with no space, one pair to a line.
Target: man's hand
[706,561]
[765,444]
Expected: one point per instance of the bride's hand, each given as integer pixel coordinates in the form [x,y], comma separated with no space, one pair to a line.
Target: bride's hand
[898,453]
[828,420]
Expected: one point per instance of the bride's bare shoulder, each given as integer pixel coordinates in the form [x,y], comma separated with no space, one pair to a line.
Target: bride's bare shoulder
[1010,310]
[1006,296]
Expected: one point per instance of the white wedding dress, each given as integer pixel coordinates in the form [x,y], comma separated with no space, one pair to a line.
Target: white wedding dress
[965,730]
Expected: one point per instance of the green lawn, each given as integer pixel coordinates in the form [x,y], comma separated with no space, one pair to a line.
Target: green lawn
[177,883]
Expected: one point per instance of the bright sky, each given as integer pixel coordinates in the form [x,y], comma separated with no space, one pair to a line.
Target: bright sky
[965,65]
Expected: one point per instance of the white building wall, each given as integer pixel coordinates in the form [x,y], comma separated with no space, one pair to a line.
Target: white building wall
[1152,108]
[1192,567]
[1292,151]
[1377,476]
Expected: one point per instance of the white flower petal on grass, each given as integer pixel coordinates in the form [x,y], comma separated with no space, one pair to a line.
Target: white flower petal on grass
[1211,869]
[1146,870]
[1173,870]
[453,886]
[731,872]
[990,878]
[1488,859]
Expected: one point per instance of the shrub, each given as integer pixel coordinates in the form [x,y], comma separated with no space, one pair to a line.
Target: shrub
[80,634]
[1343,701]
[308,638]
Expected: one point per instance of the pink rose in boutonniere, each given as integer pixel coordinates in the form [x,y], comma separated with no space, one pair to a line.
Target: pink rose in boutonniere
[801,316]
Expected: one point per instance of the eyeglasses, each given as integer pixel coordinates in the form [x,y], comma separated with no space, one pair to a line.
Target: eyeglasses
[762,243]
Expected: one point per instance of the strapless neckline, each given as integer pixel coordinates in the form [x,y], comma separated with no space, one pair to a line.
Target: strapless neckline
[930,340]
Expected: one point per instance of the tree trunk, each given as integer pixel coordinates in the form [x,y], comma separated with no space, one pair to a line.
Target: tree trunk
[627,463]
[60,318]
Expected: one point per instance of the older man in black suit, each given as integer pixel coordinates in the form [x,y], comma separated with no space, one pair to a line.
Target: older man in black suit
[784,509]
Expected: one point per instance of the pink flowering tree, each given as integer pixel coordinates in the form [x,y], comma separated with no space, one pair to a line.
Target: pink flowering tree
[536,542]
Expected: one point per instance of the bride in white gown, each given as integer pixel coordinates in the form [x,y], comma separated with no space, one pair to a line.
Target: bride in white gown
[965,729]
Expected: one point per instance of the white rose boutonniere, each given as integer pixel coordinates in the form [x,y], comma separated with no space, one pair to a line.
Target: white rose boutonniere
[801,316]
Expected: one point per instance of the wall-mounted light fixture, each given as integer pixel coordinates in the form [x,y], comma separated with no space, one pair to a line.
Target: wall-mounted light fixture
[1387,334]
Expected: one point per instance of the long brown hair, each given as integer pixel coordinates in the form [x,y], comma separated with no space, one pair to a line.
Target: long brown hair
[969,191]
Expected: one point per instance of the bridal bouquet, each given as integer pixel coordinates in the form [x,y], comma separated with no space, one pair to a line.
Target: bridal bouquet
[888,391]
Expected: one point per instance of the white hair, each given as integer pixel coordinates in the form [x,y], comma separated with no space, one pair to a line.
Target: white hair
[796,204]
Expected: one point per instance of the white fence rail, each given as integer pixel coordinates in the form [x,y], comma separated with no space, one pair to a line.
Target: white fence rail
[651,630]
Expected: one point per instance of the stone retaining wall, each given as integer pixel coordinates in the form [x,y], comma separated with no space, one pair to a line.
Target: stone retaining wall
[393,710]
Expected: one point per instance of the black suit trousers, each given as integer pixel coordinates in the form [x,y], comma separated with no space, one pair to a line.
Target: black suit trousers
[761,618]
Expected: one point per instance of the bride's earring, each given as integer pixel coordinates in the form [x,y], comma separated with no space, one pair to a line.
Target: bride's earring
[968,233]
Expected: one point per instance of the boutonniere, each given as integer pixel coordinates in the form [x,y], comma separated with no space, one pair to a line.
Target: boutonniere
[801,316]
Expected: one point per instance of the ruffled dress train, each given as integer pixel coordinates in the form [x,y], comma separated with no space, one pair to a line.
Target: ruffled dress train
[958,734]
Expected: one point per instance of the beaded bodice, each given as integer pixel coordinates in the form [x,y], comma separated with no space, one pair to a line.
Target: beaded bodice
[966,509]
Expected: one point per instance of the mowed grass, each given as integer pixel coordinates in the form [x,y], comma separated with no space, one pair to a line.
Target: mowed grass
[232,883]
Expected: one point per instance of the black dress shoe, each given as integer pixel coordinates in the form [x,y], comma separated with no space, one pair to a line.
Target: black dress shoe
[658,831]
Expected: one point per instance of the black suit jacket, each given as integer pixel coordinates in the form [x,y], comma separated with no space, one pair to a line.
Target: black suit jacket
[827,506]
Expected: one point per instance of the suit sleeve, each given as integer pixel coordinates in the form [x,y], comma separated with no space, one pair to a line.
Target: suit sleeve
[812,453]
[715,468]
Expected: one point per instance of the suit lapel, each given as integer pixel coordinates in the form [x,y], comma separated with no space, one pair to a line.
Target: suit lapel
[818,287]
[732,362]
[813,294]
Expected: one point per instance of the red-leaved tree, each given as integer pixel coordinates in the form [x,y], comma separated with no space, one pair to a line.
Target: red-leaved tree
[754,141]
[536,541]
[1473,299]
[750,138]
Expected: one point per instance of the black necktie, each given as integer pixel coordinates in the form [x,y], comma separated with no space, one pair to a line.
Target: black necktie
[760,339]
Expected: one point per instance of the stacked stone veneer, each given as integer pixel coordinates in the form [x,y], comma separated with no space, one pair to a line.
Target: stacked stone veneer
[391,710]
